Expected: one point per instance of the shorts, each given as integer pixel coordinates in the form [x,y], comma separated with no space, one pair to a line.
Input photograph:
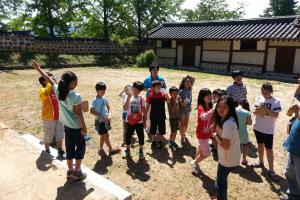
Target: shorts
[185,113]
[100,127]
[203,145]
[75,144]
[263,138]
[161,125]
[174,124]
[53,128]
[129,130]
[124,115]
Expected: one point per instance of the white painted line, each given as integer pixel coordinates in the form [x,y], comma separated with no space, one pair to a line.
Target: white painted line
[92,176]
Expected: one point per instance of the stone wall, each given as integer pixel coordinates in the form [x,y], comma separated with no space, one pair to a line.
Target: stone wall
[25,41]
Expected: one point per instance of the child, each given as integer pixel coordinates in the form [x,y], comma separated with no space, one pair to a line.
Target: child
[174,115]
[124,95]
[70,114]
[203,131]
[228,141]
[156,99]
[136,118]
[100,109]
[185,94]
[50,115]
[238,90]
[267,109]
[244,117]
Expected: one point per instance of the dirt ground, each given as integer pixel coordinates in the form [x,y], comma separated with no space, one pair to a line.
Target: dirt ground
[166,174]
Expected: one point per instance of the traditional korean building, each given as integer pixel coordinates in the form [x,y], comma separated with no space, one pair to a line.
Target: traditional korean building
[253,45]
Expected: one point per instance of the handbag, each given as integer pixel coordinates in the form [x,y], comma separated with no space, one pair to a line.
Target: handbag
[106,123]
[135,117]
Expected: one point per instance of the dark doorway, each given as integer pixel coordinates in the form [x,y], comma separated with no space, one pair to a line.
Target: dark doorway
[284,62]
[188,57]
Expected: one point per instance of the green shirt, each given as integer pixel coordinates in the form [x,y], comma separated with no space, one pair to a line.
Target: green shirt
[243,115]
[66,112]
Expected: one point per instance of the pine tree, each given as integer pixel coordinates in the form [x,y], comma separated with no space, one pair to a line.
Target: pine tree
[281,8]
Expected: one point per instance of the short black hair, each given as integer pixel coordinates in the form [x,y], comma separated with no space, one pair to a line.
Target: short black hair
[138,85]
[42,81]
[100,86]
[155,83]
[173,89]
[267,86]
[219,92]
[152,66]
[237,73]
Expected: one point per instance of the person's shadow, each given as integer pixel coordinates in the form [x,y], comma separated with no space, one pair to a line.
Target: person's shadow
[138,170]
[73,190]
[101,167]
[207,183]
[44,162]
[162,156]
[189,150]
[252,152]
[248,173]
[282,182]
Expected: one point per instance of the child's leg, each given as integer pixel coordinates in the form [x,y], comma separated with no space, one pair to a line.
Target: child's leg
[128,135]
[182,126]
[140,134]
[101,141]
[173,136]
[187,119]
[70,164]
[245,151]
[270,158]
[107,142]
[203,150]
[59,134]
[78,165]
[261,150]
[162,130]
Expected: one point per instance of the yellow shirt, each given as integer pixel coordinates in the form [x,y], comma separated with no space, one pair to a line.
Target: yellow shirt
[49,103]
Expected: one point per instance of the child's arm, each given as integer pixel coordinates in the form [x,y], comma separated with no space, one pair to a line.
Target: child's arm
[108,109]
[36,66]
[126,105]
[144,116]
[168,98]
[147,108]
[249,120]
[93,112]
[78,111]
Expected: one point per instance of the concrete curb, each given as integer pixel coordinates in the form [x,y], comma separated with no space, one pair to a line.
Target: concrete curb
[92,176]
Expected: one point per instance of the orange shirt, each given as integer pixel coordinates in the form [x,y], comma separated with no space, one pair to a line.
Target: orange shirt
[49,103]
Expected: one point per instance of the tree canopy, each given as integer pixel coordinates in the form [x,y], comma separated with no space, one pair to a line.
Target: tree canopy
[281,8]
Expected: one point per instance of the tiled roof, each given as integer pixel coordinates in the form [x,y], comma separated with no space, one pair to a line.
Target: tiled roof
[260,28]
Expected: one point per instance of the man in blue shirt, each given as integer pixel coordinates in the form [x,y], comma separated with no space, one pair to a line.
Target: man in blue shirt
[153,68]
[292,145]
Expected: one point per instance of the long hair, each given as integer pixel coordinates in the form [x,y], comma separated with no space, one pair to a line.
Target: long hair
[181,86]
[202,94]
[64,84]
[231,111]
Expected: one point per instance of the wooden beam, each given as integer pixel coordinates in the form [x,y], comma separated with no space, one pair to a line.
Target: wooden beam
[264,69]
[230,56]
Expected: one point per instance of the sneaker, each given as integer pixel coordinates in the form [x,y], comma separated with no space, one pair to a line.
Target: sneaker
[69,173]
[60,153]
[126,154]
[141,155]
[102,153]
[78,175]
[153,145]
[195,168]
[173,145]
[114,151]
[87,137]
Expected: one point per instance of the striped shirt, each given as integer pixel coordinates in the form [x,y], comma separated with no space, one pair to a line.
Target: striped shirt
[238,92]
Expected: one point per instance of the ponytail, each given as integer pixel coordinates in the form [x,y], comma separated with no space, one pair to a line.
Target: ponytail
[64,84]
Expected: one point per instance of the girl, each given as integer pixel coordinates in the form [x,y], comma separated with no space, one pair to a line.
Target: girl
[185,95]
[228,141]
[203,131]
[70,114]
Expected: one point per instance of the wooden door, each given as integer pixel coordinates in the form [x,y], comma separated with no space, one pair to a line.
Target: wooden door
[188,53]
[284,62]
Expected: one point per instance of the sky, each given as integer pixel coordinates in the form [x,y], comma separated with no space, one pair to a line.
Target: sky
[253,8]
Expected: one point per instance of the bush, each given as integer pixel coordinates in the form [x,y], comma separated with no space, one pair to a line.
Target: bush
[26,57]
[145,59]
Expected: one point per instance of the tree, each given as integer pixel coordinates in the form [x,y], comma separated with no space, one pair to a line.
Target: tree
[213,10]
[7,8]
[281,8]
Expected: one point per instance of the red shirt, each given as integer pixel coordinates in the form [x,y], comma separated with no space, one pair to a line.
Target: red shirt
[203,130]
[157,102]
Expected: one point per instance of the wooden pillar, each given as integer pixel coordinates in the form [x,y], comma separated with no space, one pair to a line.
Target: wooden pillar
[264,69]
[201,53]
[230,56]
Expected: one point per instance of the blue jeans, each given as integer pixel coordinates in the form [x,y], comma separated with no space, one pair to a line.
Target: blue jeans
[292,175]
[221,182]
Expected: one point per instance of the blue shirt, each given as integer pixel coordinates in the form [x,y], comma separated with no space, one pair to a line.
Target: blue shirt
[148,82]
[100,105]
[292,143]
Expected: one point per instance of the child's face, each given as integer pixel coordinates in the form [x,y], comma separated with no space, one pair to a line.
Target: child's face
[135,91]
[238,79]
[187,83]
[215,97]
[73,85]
[266,94]
[222,109]
[100,93]
[208,99]
[157,88]
[174,95]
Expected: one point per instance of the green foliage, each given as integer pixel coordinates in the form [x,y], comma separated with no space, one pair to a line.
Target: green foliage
[26,57]
[281,8]
[8,8]
[5,57]
[53,60]
[145,59]
[213,10]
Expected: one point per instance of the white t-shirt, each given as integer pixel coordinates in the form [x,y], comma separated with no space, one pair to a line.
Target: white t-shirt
[266,124]
[230,157]
[123,101]
[135,106]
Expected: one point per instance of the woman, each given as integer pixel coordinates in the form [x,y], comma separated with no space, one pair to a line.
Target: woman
[228,141]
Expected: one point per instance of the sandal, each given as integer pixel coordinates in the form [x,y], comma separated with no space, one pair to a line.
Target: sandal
[274,176]
[102,153]
[244,162]
[257,165]
[115,151]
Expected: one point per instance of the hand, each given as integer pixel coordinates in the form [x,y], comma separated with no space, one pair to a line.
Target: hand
[83,131]
[35,65]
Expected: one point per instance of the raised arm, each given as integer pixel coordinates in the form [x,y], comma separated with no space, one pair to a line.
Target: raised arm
[36,66]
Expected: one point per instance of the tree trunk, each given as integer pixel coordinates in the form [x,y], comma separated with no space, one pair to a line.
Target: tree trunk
[50,18]
[105,21]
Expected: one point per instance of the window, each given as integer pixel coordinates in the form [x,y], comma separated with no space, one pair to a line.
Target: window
[249,45]
[166,44]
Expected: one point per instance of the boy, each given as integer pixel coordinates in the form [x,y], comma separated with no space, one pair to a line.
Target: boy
[50,115]
[174,115]
[238,90]
[135,118]
[267,109]
[156,99]
[100,108]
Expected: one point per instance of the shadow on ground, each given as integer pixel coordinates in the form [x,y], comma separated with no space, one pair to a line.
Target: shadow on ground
[74,191]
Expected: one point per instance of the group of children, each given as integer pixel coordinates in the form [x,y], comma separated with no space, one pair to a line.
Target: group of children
[223,116]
